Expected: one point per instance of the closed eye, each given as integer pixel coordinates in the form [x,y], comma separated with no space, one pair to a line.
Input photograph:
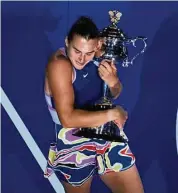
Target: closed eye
[89,54]
[76,51]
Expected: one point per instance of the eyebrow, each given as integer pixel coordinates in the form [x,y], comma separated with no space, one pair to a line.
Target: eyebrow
[80,51]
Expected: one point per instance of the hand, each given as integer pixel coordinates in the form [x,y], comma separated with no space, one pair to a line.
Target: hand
[108,72]
[119,116]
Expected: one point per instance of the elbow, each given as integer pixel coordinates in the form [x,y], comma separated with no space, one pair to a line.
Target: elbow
[66,122]
[66,118]
[67,125]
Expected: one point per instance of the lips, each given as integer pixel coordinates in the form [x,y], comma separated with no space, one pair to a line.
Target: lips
[80,64]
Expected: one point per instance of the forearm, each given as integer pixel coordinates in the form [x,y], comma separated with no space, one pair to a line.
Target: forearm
[116,90]
[81,118]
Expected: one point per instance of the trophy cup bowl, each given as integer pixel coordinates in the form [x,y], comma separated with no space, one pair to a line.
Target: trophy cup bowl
[108,131]
[115,49]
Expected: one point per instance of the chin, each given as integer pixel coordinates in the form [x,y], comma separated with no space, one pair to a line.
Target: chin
[79,67]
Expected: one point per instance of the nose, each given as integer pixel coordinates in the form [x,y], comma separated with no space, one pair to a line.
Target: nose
[82,58]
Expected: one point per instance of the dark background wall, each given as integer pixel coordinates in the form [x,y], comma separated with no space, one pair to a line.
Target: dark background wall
[30,32]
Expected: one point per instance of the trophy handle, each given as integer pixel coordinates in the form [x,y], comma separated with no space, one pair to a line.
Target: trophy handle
[126,61]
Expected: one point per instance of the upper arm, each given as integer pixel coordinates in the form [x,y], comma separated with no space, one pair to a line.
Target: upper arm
[59,73]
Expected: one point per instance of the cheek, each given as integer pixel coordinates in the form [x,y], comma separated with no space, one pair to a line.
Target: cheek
[72,54]
[89,57]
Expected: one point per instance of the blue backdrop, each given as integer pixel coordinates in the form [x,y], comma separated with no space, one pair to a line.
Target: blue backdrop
[31,31]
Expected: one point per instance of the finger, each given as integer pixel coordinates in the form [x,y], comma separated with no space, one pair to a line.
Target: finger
[124,117]
[108,67]
[106,60]
[107,64]
[123,111]
[103,69]
[118,124]
[101,75]
[126,114]
[113,66]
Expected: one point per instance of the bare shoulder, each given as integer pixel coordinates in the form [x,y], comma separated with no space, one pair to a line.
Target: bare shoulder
[59,63]
[58,71]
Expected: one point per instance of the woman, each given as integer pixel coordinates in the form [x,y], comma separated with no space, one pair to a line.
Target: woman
[73,81]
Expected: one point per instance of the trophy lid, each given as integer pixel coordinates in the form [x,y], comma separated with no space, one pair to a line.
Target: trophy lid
[112,31]
[115,41]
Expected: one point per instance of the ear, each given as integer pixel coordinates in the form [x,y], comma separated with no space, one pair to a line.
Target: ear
[66,42]
[99,44]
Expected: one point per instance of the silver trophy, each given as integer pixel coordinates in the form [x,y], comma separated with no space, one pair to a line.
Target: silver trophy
[115,49]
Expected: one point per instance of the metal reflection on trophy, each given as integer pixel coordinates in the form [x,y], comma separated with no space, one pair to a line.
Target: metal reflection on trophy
[115,49]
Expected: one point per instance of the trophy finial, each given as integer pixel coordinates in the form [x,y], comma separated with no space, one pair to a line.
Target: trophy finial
[115,16]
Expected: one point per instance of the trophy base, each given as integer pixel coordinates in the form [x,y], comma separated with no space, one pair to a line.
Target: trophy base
[90,133]
[108,131]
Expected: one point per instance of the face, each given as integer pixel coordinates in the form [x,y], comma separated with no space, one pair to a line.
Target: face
[80,51]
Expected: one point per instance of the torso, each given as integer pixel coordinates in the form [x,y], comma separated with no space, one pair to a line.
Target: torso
[87,87]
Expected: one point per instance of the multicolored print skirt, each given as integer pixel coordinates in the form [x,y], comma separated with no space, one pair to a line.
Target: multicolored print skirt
[76,159]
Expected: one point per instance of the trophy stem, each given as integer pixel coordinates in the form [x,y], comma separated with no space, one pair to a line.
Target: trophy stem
[105,90]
